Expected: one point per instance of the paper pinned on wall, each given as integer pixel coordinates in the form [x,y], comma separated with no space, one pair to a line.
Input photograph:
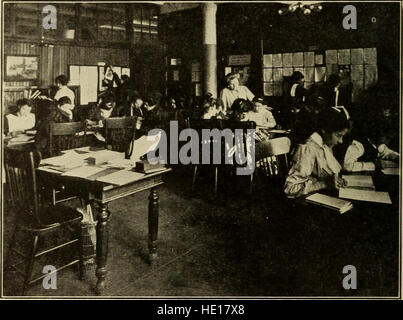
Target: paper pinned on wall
[357,56]
[298,59]
[370,75]
[320,74]
[198,91]
[331,69]
[343,56]
[331,56]
[195,66]
[118,71]
[74,74]
[309,74]
[287,59]
[357,72]
[268,74]
[88,84]
[277,60]
[268,60]
[268,89]
[287,72]
[277,90]
[309,59]
[228,70]
[277,74]
[318,59]
[175,75]
[369,55]
[299,69]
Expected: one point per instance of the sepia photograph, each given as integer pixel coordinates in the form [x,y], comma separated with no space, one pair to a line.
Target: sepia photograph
[201,150]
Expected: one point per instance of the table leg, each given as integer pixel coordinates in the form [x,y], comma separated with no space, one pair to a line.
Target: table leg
[153,212]
[102,247]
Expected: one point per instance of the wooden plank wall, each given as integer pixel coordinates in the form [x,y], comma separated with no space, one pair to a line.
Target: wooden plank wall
[54,61]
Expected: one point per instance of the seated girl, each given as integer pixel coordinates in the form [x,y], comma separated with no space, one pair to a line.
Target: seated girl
[314,166]
[22,120]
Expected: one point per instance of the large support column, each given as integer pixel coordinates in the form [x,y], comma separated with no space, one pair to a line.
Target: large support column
[210,48]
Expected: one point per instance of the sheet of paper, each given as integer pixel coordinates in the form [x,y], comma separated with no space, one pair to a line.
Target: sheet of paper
[83,172]
[268,60]
[391,171]
[370,56]
[126,71]
[268,89]
[68,160]
[309,59]
[309,73]
[320,74]
[287,72]
[277,89]
[370,75]
[277,74]
[175,75]
[343,56]
[318,59]
[287,60]
[365,195]
[88,84]
[298,59]
[121,177]
[267,74]
[331,69]
[357,56]
[331,56]
[277,60]
[74,75]
[357,72]
[198,90]
[228,70]
[195,66]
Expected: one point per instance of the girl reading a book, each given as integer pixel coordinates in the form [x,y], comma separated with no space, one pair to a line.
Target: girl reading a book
[314,166]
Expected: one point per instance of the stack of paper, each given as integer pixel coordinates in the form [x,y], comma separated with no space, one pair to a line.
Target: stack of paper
[330,202]
[359,182]
[365,195]
[64,162]
[121,177]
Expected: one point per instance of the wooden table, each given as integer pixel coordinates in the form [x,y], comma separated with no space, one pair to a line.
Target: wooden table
[101,194]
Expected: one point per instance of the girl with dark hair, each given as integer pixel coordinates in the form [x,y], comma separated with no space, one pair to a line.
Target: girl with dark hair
[315,167]
[22,120]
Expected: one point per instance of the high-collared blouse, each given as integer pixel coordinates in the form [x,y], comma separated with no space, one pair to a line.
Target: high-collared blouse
[313,163]
[228,96]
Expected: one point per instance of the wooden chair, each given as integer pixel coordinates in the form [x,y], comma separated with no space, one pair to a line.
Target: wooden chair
[199,125]
[64,136]
[272,160]
[38,221]
[119,133]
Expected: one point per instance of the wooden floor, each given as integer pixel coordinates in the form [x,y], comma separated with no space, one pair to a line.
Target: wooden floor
[219,247]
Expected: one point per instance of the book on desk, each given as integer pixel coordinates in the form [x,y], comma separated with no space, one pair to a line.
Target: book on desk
[330,202]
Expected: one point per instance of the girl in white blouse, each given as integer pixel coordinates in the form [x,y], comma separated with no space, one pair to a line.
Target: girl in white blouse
[314,166]
[22,120]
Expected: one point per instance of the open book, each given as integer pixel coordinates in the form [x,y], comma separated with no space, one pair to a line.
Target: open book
[330,202]
[359,182]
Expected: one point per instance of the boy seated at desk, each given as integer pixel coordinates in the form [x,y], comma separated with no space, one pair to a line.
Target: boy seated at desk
[21,120]
[105,109]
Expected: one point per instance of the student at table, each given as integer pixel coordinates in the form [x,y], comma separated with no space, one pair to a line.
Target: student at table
[64,91]
[314,165]
[105,109]
[22,120]
[234,91]
[261,115]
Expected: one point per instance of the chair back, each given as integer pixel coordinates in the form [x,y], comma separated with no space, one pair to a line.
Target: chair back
[64,136]
[21,183]
[119,133]
[273,161]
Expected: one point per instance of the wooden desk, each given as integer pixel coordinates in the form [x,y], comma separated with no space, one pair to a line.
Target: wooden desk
[101,194]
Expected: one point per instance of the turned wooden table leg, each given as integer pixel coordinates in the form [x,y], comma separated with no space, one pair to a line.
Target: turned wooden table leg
[102,247]
[153,212]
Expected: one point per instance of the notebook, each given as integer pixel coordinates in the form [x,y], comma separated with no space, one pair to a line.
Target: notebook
[365,195]
[330,202]
[359,182]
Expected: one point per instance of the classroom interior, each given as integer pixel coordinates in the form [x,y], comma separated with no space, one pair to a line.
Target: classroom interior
[122,226]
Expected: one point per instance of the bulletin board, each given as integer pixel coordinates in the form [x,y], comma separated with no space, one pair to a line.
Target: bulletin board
[358,64]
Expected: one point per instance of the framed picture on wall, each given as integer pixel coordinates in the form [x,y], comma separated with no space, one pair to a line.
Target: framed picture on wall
[21,68]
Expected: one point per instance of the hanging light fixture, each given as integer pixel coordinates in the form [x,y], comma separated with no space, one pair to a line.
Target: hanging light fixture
[307,7]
